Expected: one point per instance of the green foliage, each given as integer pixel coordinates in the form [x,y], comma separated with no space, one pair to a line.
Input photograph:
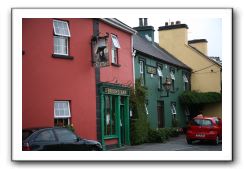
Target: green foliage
[162,134]
[190,98]
[139,122]
[70,127]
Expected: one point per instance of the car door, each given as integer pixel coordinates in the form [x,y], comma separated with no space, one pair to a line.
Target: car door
[68,140]
[44,141]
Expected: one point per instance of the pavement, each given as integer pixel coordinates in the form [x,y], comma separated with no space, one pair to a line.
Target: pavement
[174,144]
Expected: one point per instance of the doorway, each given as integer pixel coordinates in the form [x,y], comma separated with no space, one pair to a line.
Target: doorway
[160,110]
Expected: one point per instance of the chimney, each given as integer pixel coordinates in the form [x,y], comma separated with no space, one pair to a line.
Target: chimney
[140,22]
[173,34]
[200,44]
[145,31]
[145,21]
[177,22]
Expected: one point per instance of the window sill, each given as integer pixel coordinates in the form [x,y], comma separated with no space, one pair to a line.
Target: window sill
[110,137]
[62,56]
[116,65]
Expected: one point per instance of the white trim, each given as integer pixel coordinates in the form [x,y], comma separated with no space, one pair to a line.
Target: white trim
[159,71]
[172,75]
[67,46]
[141,67]
[66,27]
[62,116]
[185,78]
[115,41]
[173,109]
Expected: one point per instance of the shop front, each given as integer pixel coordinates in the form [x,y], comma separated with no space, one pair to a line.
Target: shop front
[115,128]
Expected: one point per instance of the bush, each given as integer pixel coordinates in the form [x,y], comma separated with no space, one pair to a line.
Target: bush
[162,134]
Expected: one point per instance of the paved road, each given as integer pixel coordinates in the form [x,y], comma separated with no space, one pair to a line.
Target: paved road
[175,144]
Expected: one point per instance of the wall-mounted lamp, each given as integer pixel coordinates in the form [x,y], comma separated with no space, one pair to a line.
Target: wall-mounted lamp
[167,86]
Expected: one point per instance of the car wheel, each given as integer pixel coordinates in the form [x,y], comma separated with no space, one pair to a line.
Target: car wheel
[189,141]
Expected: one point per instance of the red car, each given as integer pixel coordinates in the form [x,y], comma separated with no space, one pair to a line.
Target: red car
[204,128]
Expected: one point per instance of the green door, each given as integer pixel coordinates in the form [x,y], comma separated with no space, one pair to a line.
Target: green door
[122,124]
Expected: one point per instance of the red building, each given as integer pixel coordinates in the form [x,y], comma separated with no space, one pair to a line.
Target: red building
[62,85]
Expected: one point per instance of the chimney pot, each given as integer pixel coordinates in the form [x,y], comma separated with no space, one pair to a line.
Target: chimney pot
[140,22]
[145,21]
[172,23]
[177,22]
[166,23]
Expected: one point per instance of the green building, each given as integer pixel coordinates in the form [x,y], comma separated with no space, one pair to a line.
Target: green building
[154,65]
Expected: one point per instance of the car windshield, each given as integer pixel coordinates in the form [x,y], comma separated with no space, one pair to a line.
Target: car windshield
[65,135]
[201,122]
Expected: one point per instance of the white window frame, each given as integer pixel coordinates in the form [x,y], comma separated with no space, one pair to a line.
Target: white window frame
[159,70]
[62,116]
[59,36]
[67,46]
[172,75]
[173,109]
[141,67]
[185,79]
[115,41]
[56,28]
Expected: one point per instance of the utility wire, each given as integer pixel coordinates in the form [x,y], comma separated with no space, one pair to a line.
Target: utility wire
[204,68]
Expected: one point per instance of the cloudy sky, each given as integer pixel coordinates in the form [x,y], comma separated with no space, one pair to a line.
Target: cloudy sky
[199,28]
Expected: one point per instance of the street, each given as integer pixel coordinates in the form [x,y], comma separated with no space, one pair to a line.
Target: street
[175,144]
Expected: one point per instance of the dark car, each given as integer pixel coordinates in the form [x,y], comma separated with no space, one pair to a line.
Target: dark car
[56,139]
[204,128]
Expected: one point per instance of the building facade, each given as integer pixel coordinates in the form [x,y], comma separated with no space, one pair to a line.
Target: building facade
[63,84]
[206,73]
[153,65]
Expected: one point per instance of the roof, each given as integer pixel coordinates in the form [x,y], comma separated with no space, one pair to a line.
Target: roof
[118,24]
[154,50]
[197,41]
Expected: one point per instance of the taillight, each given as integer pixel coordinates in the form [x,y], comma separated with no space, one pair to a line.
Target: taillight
[26,147]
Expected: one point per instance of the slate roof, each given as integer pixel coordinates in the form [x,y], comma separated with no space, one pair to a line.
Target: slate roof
[154,50]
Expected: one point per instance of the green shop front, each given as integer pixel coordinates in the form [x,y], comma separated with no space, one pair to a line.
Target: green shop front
[115,129]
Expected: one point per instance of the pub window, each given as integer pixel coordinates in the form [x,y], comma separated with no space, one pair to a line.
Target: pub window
[173,109]
[172,76]
[160,77]
[61,37]
[62,113]
[185,80]
[142,73]
[109,115]
[115,47]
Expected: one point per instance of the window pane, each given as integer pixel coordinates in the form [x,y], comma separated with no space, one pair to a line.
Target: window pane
[45,136]
[115,41]
[65,135]
[61,28]
[61,109]
[60,45]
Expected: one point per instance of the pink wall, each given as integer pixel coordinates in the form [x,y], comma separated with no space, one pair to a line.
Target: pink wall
[124,73]
[46,79]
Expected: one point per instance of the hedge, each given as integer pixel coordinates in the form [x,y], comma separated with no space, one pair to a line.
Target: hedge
[194,98]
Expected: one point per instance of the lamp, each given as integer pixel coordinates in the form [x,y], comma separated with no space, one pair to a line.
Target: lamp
[167,85]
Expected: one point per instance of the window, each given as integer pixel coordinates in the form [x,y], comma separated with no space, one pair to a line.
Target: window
[61,37]
[172,75]
[45,136]
[65,135]
[115,47]
[109,113]
[160,76]
[173,110]
[61,113]
[142,72]
[185,80]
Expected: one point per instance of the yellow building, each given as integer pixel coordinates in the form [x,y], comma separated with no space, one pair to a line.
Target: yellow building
[206,73]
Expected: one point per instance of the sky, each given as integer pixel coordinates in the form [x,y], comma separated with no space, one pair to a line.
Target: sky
[199,28]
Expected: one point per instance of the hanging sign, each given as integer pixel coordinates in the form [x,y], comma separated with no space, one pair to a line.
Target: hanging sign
[151,70]
[100,51]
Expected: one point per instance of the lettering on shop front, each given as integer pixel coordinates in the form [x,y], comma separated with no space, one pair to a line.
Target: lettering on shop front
[115,91]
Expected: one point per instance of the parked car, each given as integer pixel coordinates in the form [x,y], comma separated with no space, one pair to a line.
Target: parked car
[56,139]
[204,128]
